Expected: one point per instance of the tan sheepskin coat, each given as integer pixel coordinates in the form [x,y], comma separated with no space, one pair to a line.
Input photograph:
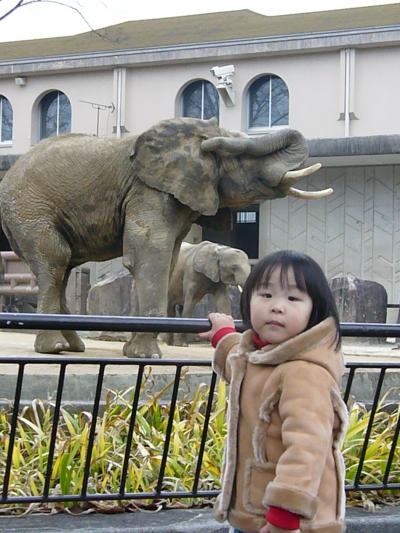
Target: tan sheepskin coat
[286,419]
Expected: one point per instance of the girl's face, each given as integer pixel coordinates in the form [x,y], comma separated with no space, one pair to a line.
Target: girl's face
[278,312]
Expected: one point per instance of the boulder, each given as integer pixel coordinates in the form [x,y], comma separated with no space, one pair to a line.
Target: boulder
[360,300]
[112,296]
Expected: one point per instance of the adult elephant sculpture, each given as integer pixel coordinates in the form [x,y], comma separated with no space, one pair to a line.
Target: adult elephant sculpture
[205,268]
[78,198]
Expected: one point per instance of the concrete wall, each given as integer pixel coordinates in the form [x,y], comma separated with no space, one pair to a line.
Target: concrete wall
[355,231]
[150,94]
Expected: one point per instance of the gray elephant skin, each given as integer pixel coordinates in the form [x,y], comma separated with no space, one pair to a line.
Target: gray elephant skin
[205,268]
[78,198]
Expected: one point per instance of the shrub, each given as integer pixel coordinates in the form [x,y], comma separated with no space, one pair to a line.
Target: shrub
[31,449]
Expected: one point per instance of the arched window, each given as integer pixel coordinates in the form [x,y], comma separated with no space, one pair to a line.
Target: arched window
[200,100]
[55,114]
[268,102]
[6,120]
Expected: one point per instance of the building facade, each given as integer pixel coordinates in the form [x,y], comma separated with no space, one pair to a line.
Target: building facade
[332,75]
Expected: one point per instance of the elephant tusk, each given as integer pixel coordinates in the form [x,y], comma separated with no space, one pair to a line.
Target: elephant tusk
[240,288]
[294,175]
[309,195]
[302,172]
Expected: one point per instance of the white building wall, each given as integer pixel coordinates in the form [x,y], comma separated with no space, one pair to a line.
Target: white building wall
[152,93]
[377,81]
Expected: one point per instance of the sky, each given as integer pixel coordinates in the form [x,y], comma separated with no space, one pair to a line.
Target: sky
[49,18]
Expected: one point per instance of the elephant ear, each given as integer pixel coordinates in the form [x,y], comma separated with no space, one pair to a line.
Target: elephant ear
[205,260]
[168,157]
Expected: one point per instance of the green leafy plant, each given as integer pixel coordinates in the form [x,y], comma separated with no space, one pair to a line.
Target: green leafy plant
[31,450]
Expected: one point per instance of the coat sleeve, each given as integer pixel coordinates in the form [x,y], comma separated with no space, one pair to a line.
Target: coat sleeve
[225,346]
[307,416]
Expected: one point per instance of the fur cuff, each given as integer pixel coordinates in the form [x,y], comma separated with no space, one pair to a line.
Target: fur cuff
[296,500]
[222,350]
[331,527]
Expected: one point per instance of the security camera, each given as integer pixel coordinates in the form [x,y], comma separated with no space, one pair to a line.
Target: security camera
[223,72]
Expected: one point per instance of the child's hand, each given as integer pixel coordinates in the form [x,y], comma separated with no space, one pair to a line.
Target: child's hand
[218,321]
[270,528]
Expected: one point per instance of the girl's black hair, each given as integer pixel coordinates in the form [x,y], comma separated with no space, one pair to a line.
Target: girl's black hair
[309,278]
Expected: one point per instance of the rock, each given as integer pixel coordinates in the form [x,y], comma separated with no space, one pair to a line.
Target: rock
[207,305]
[360,300]
[112,296]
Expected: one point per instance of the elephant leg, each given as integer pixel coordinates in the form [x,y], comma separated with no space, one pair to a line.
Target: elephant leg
[181,339]
[150,266]
[75,343]
[49,266]
[168,338]
[222,301]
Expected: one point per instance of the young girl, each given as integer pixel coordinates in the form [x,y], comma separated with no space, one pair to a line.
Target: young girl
[283,470]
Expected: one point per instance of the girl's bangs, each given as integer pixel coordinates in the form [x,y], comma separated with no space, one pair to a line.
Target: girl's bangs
[285,264]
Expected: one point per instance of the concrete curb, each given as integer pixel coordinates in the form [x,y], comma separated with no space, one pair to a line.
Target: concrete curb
[385,520]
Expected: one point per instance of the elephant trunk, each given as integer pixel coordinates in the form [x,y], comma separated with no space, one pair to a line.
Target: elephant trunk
[285,149]
[281,152]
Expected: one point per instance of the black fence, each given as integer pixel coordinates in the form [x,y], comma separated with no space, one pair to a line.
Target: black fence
[86,323]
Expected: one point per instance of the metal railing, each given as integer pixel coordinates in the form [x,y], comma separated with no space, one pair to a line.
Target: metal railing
[33,321]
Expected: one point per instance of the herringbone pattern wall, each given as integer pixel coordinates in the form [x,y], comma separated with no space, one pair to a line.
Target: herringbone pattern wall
[354,231]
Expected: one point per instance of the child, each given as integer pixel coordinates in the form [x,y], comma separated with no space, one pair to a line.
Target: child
[283,470]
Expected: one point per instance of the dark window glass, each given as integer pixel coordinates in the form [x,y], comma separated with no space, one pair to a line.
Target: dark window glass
[200,100]
[268,102]
[6,120]
[55,115]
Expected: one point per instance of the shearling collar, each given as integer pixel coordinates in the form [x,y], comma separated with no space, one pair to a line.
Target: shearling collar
[316,345]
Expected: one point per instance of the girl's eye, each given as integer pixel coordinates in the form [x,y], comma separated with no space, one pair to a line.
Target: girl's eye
[266,295]
[293,299]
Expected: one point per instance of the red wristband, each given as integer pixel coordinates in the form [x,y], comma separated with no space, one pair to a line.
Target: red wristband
[282,518]
[221,333]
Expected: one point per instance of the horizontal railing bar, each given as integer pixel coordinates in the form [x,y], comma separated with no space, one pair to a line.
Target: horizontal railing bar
[373,486]
[160,324]
[109,323]
[159,495]
[40,359]
[97,497]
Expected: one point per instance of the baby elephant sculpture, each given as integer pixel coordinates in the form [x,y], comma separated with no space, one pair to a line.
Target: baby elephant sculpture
[205,268]
[78,198]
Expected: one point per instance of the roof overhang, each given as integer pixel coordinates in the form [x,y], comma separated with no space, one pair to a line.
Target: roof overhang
[205,51]
[355,151]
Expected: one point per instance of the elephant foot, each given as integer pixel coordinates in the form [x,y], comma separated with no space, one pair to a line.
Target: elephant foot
[75,343]
[180,340]
[168,338]
[50,342]
[142,345]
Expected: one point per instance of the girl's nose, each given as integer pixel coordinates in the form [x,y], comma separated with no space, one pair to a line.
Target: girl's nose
[277,307]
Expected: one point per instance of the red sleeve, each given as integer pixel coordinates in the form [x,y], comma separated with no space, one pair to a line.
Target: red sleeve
[282,518]
[221,333]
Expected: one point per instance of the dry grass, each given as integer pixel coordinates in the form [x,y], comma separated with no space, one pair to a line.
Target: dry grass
[31,450]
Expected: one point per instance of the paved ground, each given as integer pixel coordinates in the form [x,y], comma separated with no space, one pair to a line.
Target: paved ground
[16,343]
[385,520]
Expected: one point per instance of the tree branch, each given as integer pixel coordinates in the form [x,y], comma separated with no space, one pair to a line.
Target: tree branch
[22,3]
[19,4]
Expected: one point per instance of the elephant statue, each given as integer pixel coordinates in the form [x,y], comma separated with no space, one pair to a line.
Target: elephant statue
[78,198]
[205,268]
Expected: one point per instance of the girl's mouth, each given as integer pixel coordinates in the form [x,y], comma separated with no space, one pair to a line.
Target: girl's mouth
[275,323]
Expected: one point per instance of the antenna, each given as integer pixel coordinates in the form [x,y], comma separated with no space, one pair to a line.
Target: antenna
[99,107]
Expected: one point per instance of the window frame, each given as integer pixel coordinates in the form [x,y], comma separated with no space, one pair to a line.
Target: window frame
[41,129]
[262,129]
[203,91]
[7,142]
